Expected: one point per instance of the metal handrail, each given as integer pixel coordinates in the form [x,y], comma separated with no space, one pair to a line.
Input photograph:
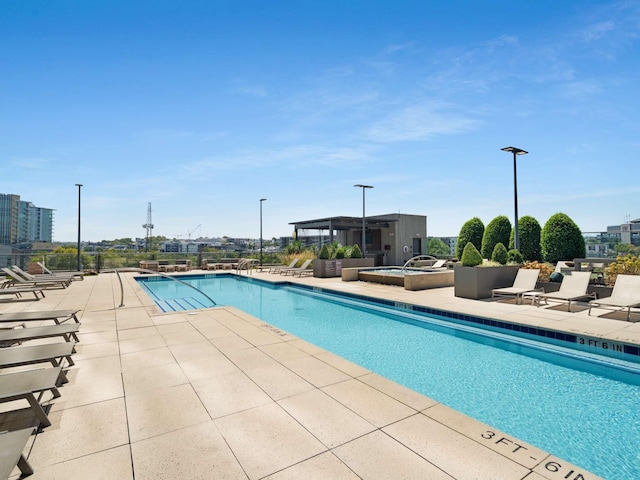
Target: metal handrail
[144,270]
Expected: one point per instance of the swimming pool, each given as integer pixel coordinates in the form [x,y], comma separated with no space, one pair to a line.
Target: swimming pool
[580,407]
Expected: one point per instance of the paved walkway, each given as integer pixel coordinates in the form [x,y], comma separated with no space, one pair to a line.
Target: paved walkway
[219,394]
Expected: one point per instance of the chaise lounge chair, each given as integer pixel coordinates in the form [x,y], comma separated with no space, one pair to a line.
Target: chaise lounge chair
[18,291]
[43,276]
[58,316]
[573,287]
[11,336]
[626,294]
[11,445]
[54,353]
[292,271]
[76,275]
[277,268]
[16,279]
[24,385]
[525,282]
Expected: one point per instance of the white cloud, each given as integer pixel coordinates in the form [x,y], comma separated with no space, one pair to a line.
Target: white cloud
[419,122]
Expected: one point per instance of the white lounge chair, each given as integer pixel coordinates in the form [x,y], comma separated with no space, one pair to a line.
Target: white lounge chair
[525,282]
[573,287]
[625,295]
[293,270]
[277,268]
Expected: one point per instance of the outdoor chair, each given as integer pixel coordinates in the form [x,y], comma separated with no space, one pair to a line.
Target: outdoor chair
[53,353]
[16,279]
[573,288]
[287,271]
[18,291]
[77,275]
[11,336]
[625,295]
[45,276]
[277,268]
[525,282]
[11,445]
[58,316]
[25,385]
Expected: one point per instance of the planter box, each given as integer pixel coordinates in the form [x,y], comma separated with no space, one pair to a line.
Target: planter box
[477,282]
[334,266]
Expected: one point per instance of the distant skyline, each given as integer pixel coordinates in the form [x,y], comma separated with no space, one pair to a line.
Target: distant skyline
[203,107]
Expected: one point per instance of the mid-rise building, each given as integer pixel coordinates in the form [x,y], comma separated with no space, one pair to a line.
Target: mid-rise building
[23,222]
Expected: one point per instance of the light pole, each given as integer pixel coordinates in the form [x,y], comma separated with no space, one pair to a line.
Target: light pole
[79,185]
[261,200]
[364,238]
[516,152]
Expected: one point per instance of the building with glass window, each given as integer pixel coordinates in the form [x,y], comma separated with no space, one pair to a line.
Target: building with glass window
[23,222]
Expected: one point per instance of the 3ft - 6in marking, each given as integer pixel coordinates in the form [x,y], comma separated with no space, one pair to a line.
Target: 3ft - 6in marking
[515,447]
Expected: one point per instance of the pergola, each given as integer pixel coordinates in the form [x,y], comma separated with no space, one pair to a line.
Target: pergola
[342,223]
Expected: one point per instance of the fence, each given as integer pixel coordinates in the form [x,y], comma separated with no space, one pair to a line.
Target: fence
[111,259]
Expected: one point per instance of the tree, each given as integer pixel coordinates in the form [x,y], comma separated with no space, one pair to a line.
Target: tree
[529,234]
[437,248]
[497,231]
[472,231]
[561,239]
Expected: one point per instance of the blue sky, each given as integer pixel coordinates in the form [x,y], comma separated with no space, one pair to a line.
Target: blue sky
[204,107]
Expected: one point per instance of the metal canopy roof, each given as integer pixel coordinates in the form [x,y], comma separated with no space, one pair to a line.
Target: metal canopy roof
[343,223]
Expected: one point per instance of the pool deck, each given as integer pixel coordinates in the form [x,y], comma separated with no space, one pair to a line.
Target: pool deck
[220,394]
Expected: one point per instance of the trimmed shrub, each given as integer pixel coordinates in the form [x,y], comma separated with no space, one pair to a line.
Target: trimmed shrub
[472,231]
[514,256]
[324,252]
[499,254]
[497,231]
[340,252]
[355,252]
[470,256]
[561,239]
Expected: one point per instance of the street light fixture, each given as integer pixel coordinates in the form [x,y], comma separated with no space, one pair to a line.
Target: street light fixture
[261,200]
[364,238]
[516,152]
[79,185]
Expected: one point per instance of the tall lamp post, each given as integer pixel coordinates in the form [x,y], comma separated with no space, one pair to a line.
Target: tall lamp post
[79,185]
[261,200]
[364,237]
[516,152]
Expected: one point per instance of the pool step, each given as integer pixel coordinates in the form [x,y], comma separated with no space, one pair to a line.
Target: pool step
[181,304]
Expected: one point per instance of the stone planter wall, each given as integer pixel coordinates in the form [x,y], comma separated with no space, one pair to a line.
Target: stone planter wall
[333,267]
[477,282]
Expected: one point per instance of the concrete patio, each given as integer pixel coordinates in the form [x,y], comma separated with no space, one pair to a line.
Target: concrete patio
[219,394]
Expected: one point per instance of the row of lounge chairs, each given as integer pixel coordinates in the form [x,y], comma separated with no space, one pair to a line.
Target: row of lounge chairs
[574,287]
[23,378]
[290,269]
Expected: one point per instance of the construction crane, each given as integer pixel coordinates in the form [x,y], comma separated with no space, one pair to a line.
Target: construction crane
[189,233]
[149,227]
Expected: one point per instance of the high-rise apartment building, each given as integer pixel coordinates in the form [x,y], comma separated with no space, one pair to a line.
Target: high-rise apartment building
[23,222]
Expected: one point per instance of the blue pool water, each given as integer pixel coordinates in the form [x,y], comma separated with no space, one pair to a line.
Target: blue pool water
[540,394]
